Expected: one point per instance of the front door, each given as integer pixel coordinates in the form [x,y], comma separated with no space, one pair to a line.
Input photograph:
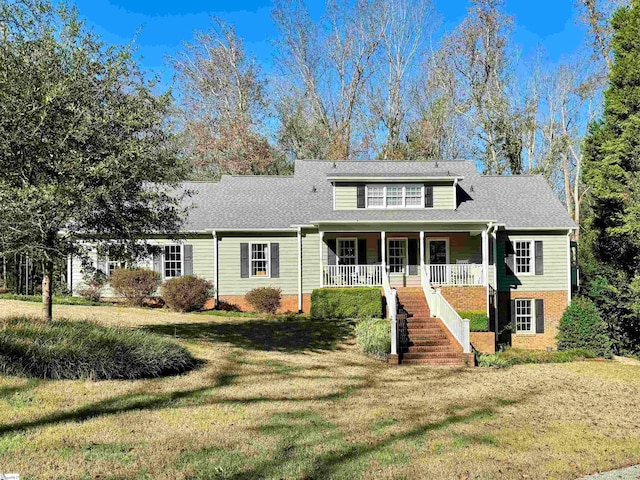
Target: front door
[397,255]
[438,259]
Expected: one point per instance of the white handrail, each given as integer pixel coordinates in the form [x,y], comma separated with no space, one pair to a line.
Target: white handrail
[352,275]
[460,274]
[439,307]
[392,308]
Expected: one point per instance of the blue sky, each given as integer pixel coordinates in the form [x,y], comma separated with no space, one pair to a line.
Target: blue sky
[162,26]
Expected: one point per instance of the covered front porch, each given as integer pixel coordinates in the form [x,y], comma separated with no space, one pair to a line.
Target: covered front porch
[364,258]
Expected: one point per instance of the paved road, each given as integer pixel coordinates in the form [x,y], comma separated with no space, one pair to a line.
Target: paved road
[630,473]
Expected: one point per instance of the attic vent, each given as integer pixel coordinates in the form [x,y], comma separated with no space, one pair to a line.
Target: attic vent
[334,165]
[448,173]
[471,188]
[314,189]
[436,164]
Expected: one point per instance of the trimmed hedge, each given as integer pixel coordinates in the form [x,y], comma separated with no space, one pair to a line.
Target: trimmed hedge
[374,336]
[581,326]
[83,350]
[346,303]
[478,320]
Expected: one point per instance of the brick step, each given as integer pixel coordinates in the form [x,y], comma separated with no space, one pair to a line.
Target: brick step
[424,324]
[415,312]
[443,342]
[423,319]
[425,331]
[435,362]
[442,354]
[430,348]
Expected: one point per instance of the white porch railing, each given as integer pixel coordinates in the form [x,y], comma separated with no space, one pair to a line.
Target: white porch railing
[392,308]
[352,275]
[460,275]
[439,307]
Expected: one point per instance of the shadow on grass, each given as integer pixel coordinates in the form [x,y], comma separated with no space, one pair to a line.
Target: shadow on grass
[296,334]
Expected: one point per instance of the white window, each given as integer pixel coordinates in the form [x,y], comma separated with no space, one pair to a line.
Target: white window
[259,259]
[113,266]
[523,256]
[172,261]
[524,316]
[375,196]
[347,251]
[395,196]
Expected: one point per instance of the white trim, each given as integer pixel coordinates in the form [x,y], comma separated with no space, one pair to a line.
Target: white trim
[355,248]
[69,274]
[532,305]
[163,260]
[485,264]
[383,253]
[437,239]
[569,272]
[333,187]
[414,179]
[321,242]
[496,308]
[404,205]
[215,267]
[532,253]
[421,250]
[455,194]
[268,259]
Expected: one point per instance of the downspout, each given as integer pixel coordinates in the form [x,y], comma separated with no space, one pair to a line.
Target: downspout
[215,269]
[569,266]
[299,270]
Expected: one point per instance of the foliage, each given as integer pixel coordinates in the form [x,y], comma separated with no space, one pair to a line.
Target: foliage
[264,299]
[93,281]
[478,320]
[346,303]
[581,326]
[187,293]
[57,300]
[85,144]
[72,350]
[611,175]
[136,285]
[374,336]
[515,356]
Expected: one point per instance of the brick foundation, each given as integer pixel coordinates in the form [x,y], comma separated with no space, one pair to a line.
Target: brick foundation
[466,299]
[288,303]
[484,342]
[555,303]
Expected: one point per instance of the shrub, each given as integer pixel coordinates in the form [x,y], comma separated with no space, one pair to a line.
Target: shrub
[79,350]
[185,294]
[492,360]
[264,299]
[92,282]
[136,285]
[581,326]
[374,336]
[346,303]
[227,307]
[516,356]
[478,320]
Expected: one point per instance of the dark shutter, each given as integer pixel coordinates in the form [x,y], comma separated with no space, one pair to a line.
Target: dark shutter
[157,263]
[539,315]
[188,259]
[379,247]
[539,258]
[428,196]
[275,260]
[331,252]
[413,256]
[244,260]
[509,258]
[512,307]
[361,195]
[362,251]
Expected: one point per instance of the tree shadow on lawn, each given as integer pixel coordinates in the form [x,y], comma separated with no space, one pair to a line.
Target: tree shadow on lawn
[284,335]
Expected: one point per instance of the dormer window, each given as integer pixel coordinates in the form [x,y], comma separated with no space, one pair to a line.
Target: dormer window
[395,196]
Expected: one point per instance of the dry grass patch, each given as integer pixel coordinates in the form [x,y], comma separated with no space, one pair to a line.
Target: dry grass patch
[316,409]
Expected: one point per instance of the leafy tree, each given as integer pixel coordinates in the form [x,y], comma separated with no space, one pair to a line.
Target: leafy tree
[612,177]
[85,151]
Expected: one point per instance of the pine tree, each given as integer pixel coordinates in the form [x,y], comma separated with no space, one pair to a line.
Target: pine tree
[612,177]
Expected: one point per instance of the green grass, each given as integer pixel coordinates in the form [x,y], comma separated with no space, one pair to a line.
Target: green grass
[516,356]
[477,320]
[71,350]
[57,300]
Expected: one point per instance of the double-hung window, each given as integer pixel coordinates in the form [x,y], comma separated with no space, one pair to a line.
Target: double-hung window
[347,251]
[114,265]
[259,259]
[524,316]
[395,196]
[523,256]
[173,261]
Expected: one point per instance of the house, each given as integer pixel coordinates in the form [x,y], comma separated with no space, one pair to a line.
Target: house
[439,235]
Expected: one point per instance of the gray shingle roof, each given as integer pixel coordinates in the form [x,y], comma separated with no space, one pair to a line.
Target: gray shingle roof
[264,202]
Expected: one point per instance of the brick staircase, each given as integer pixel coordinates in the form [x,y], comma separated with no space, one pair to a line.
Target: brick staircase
[429,342]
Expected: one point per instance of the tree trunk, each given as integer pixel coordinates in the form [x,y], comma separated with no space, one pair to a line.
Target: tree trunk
[47,291]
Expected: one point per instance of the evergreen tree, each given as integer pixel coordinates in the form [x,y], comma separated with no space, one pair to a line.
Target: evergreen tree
[611,240]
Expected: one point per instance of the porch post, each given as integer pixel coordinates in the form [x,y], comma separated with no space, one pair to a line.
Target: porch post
[215,269]
[321,236]
[299,269]
[383,253]
[421,252]
[485,264]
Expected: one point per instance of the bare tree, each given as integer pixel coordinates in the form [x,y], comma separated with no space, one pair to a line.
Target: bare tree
[222,104]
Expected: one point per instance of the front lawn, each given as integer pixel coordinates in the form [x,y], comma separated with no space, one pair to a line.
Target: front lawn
[297,400]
